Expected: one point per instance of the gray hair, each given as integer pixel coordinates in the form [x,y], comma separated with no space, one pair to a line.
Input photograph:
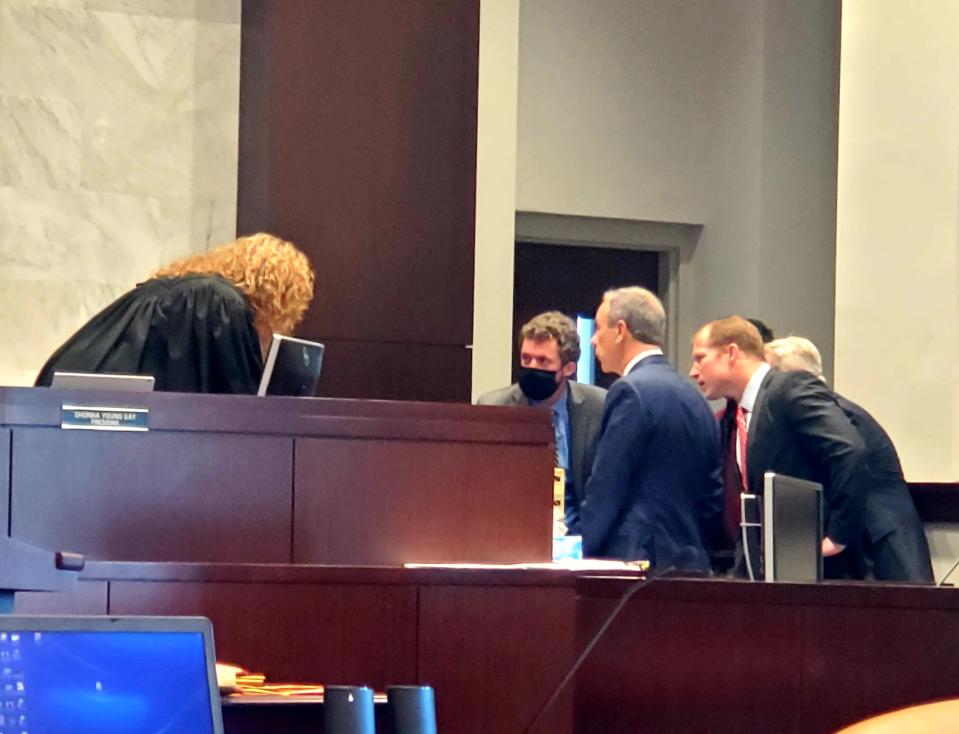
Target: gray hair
[642,312]
[795,353]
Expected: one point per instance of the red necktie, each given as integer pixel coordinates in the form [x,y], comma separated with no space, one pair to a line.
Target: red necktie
[732,477]
[742,433]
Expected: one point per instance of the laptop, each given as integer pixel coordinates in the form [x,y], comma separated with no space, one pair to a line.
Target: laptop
[102,381]
[792,529]
[292,367]
[108,675]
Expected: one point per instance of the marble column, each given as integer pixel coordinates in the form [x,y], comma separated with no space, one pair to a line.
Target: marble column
[118,152]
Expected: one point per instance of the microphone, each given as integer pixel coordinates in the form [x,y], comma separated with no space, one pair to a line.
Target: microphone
[682,559]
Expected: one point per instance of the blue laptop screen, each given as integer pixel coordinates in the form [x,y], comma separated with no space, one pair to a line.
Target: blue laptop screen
[54,682]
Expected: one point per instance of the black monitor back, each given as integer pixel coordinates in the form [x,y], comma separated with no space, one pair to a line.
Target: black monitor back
[792,529]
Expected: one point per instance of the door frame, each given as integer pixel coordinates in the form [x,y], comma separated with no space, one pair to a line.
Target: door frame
[675,241]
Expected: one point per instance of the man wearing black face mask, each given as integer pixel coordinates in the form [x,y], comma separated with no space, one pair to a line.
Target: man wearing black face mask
[549,349]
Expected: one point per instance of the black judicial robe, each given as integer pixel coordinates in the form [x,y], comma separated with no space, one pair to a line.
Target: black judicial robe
[193,333]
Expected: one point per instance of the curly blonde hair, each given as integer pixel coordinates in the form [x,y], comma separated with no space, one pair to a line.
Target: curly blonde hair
[274,276]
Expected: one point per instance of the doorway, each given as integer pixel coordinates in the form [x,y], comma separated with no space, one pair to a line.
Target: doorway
[572,279]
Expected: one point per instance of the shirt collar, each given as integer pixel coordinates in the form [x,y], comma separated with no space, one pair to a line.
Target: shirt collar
[752,387]
[640,357]
[561,406]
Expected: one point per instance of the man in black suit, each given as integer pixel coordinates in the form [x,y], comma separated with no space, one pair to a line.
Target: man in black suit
[894,547]
[549,350]
[788,423]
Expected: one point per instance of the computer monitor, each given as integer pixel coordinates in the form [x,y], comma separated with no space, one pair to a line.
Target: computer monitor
[292,367]
[108,675]
[792,529]
[102,381]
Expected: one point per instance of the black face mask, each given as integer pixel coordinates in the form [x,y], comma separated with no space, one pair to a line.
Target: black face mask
[537,384]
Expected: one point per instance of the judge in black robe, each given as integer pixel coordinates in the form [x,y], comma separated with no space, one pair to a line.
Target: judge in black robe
[192,333]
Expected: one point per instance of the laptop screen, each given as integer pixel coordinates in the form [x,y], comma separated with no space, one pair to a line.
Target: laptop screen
[292,367]
[105,676]
[102,381]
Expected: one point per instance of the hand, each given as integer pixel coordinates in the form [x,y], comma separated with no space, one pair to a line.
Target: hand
[831,549]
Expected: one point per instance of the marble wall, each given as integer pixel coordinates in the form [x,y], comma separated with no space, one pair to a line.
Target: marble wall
[118,152]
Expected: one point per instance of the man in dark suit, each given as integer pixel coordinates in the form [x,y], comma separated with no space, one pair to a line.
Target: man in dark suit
[655,491]
[788,423]
[548,352]
[894,547]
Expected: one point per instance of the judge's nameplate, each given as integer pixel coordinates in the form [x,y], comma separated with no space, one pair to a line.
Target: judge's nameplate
[100,418]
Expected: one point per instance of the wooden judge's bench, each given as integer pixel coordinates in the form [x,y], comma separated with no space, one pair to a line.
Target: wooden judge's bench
[287,521]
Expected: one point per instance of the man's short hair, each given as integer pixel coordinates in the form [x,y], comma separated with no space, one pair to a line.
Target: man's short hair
[642,312]
[553,325]
[734,330]
[765,333]
[795,353]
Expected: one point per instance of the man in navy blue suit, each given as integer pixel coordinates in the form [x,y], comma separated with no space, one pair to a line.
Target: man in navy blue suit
[655,492]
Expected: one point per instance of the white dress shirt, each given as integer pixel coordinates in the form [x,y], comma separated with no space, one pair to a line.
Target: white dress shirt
[749,400]
[640,357]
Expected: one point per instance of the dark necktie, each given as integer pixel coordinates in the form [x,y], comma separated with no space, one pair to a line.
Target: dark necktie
[732,477]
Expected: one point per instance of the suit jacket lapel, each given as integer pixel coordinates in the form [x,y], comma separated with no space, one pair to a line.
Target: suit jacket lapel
[579,431]
[754,476]
[517,396]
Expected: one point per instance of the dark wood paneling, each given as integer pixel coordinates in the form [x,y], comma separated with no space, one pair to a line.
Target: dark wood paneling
[493,642]
[731,591]
[370,157]
[255,201]
[88,597]
[377,502]
[407,479]
[255,573]
[358,142]
[712,668]
[153,496]
[724,656]
[295,632]
[243,414]
[394,371]
[686,655]
[861,662]
[494,656]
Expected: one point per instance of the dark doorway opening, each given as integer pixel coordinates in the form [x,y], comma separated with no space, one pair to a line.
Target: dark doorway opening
[572,279]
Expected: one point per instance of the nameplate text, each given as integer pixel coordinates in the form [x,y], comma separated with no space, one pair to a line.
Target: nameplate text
[87,418]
